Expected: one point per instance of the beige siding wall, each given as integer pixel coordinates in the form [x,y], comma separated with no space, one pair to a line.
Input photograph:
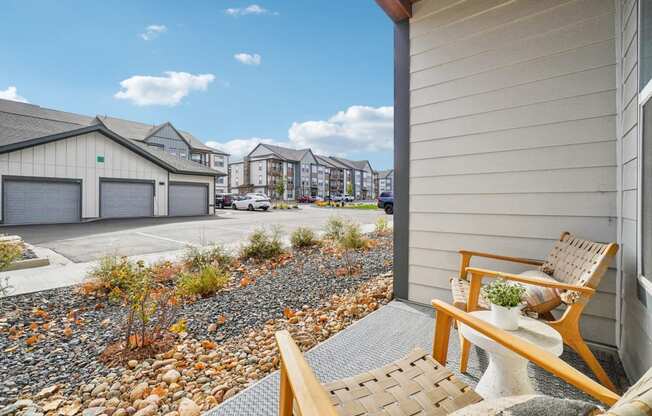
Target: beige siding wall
[236,178]
[76,158]
[209,180]
[513,136]
[258,170]
[636,340]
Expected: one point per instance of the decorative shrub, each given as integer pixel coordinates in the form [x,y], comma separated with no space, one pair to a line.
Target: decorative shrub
[5,288]
[502,293]
[334,228]
[263,245]
[9,252]
[207,281]
[196,258]
[165,271]
[382,226]
[303,237]
[110,274]
[351,239]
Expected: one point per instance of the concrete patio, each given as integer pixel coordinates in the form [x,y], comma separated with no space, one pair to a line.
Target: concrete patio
[389,334]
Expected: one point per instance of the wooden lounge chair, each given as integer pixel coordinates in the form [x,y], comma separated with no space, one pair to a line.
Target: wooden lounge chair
[422,385]
[570,275]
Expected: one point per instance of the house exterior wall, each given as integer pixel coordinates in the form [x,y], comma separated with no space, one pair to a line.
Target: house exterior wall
[220,163]
[636,320]
[236,176]
[512,137]
[171,142]
[208,180]
[76,158]
[258,173]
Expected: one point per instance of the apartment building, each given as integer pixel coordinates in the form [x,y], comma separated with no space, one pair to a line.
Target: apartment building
[219,161]
[385,181]
[360,178]
[302,173]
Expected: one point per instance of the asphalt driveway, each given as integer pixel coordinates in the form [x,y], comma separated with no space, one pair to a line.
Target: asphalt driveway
[86,242]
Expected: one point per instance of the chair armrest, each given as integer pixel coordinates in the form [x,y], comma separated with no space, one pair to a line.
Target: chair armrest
[299,383]
[530,280]
[446,313]
[521,260]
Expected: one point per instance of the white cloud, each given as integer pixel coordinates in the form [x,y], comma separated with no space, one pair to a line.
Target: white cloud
[169,90]
[153,31]
[251,9]
[358,128]
[248,59]
[239,148]
[11,94]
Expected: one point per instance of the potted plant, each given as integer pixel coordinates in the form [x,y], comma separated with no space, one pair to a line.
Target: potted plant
[505,299]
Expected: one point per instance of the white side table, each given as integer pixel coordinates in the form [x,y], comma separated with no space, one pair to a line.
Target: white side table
[506,374]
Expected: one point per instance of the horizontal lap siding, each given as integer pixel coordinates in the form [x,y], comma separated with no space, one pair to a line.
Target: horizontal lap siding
[512,137]
[636,320]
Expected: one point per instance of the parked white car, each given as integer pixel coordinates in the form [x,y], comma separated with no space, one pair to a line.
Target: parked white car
[252,202]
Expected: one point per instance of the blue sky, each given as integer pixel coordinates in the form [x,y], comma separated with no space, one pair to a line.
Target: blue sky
[310,73]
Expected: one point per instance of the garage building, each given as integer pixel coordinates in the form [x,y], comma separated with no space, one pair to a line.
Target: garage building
[58,167]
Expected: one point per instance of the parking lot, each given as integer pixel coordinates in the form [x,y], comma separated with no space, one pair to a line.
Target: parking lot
[131,237]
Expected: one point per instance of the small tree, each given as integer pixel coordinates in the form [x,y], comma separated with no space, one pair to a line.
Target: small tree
[280,189]
[352,239]
[349,189]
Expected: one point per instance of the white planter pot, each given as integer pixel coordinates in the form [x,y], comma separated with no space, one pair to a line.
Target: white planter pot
[505,318]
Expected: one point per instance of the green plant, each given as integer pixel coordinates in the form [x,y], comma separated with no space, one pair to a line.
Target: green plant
[263,244]
[10,251]
[196,258]
[111,273]
[280,189]
[351,239]
[334,228]
[349,189]
[502,293]
[5,288]
[205,282]
[303,237]
[382,226]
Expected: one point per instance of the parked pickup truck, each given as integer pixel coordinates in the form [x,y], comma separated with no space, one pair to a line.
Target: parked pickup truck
[386,202]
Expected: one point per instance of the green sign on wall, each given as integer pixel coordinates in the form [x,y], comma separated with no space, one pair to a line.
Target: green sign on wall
[100,159]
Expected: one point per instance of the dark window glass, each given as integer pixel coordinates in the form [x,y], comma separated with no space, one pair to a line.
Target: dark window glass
[646,188]
[645,58]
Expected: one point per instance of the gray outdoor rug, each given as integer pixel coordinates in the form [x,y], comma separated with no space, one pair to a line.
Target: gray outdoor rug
[387,335]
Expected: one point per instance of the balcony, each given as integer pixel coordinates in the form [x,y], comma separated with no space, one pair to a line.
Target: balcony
[388,335]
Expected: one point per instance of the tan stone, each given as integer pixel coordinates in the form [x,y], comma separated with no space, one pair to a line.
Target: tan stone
[188,407]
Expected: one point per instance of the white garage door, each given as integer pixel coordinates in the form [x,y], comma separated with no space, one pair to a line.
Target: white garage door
[39,201]
[188,199]
[126,199]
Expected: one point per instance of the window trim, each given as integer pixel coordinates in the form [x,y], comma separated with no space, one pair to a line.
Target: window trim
[644,95]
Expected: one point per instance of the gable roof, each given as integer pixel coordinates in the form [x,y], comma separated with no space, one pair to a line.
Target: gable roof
[285,153]
[353,164]
[324,160]
[24,125]
[385,173]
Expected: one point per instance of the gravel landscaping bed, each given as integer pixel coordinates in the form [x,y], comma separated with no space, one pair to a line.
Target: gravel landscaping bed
[55,337]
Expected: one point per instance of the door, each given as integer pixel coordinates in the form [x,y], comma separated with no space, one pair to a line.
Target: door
[41,201]
[188,199]
[126,199]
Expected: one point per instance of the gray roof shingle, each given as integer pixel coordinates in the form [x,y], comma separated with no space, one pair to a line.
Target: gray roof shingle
[20,122]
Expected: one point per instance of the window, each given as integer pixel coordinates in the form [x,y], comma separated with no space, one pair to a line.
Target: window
[260,179]
[645,150]
[260,167]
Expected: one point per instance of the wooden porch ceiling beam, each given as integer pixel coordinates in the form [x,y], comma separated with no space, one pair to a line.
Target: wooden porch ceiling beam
[397,10]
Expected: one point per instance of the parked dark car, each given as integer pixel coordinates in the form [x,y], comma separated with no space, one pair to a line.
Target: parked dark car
[224,200]
[306,199]
[386,202]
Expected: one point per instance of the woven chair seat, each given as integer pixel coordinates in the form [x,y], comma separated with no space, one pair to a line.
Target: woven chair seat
[414,385]
[460,290]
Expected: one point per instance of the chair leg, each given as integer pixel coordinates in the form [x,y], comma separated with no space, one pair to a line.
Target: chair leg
[465,348]
[583,350]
